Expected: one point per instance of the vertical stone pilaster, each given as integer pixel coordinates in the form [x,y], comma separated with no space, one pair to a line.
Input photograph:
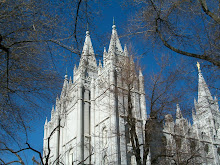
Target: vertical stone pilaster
[92,125]
[86,117]
[80,121]
[56,138]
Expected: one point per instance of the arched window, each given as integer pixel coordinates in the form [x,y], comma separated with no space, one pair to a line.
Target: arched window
[127,134]
[218,151]
[206,148]
[104,136]
[71,157]
[164,140]
[203,133]
[192,145]
[105,160]
[164,144]
[178,141]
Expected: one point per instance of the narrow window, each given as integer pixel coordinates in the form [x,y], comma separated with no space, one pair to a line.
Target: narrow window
[206,148]
[218,151]
[104,136]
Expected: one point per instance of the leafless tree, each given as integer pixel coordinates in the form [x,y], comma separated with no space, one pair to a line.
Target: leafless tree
[42,159]
[162,94]
[189,28]
[30,33]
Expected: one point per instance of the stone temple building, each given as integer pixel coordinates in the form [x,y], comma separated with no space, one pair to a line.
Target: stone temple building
[198,143]
[88,124]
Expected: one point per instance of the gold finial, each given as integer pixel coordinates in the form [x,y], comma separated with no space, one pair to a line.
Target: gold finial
[198,65]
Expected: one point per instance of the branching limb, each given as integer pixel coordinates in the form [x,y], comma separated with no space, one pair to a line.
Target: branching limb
[208,12]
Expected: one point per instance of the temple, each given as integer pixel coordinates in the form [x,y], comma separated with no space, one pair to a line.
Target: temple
[89,124]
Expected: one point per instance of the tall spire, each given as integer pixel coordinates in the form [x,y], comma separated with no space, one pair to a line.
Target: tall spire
[87,48]
[115,44]
[88,55]
[204,95]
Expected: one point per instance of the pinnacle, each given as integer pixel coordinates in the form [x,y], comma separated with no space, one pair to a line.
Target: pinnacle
[140,73]
[70,80]
[125,50]
[100,63]
[75,68]
[46,121]
[178,112]
[195,103]
[114,42]
[52,112]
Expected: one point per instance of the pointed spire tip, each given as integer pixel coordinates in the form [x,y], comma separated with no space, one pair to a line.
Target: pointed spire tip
[100,63]
[114,26]
[178,112]
[140,72]
[87,26]
[46,122]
